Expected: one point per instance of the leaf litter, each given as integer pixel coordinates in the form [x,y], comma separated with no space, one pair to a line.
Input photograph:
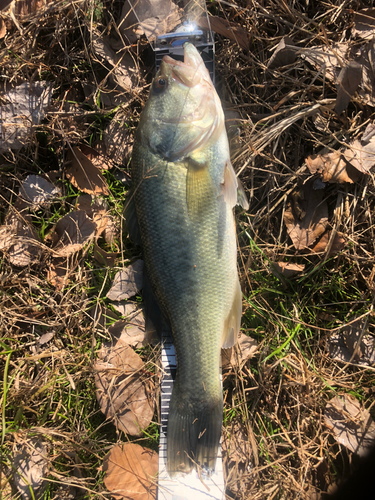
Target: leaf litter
[130,472]
[127,282]
[350,424]
[353,344]
[38,191]
[30,464]
[346,164]
[125,390]
[84,175]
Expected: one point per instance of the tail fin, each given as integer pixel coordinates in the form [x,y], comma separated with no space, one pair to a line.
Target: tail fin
[194,430]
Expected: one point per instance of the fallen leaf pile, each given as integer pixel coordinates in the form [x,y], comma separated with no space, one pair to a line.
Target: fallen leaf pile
[350,424]
[130,472]
[236,451]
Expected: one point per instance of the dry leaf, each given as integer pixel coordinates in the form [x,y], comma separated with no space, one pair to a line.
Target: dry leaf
[123,70]
[107,259]
[350,424]
[25,109]
[364,23]
[118,139]
[347,82]
[19,237]
[246,346]
[230,30]
[127,282]
[124,396]
[97,159]
[332,167]
[84,175]
[338,243]
[38,191]
[3,28]
[328,60]
[361,156]
[156,18]
[97,209]
[131,472]
[72,233]
[60,271]
[31,467]
[23,8]
[353,344]
[287,269]
[366,60]
[306,216]
[284,54]
[236,452]
[132,330]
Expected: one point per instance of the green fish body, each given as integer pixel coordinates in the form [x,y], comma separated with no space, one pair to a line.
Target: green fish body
[184,190]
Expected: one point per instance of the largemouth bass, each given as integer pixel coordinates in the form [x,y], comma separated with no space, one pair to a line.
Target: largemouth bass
[184,190]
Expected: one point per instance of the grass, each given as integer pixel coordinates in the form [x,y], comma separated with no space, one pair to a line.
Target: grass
[279,395]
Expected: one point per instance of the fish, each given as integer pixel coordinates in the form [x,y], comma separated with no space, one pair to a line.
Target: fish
[184,189]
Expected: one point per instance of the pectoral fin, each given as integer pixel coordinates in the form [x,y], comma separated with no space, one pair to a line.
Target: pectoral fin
[233,191]
[233,322]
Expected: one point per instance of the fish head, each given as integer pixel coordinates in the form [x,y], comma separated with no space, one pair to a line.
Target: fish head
[183,112]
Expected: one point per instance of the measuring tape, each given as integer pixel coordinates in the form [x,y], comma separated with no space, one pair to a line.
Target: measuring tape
[186,486]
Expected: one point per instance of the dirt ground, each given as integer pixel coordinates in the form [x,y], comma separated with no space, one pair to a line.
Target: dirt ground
[297,83]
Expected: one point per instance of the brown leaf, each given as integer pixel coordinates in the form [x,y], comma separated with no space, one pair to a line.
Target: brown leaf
[61,270]
[127,282]
[38,191]
[361,156]
[84,175]
[364,23]
[19,237]
[24,8]
[26,109]
[353,344]
[225,28]
[287,269]
[236,452]
[125,396]
[131,472]
[156,17]
[332,167]
[132,330]
[246,346]
[328,59]
[97,209]
[337,245]
[123,70]
[107,259]
[347,82]
[31,467]
[351,425]
[3,28]
[366,60]
[97,159]
[284,54]
[72,233]
[306,216]
[118,139]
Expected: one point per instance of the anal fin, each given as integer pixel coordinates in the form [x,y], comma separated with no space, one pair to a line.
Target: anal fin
[233,322]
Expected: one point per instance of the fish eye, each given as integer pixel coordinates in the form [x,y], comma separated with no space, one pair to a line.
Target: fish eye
[160,84]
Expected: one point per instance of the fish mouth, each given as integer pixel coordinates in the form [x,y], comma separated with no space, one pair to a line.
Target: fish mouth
[191,71]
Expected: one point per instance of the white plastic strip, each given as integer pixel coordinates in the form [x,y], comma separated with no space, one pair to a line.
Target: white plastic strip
[186,486]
